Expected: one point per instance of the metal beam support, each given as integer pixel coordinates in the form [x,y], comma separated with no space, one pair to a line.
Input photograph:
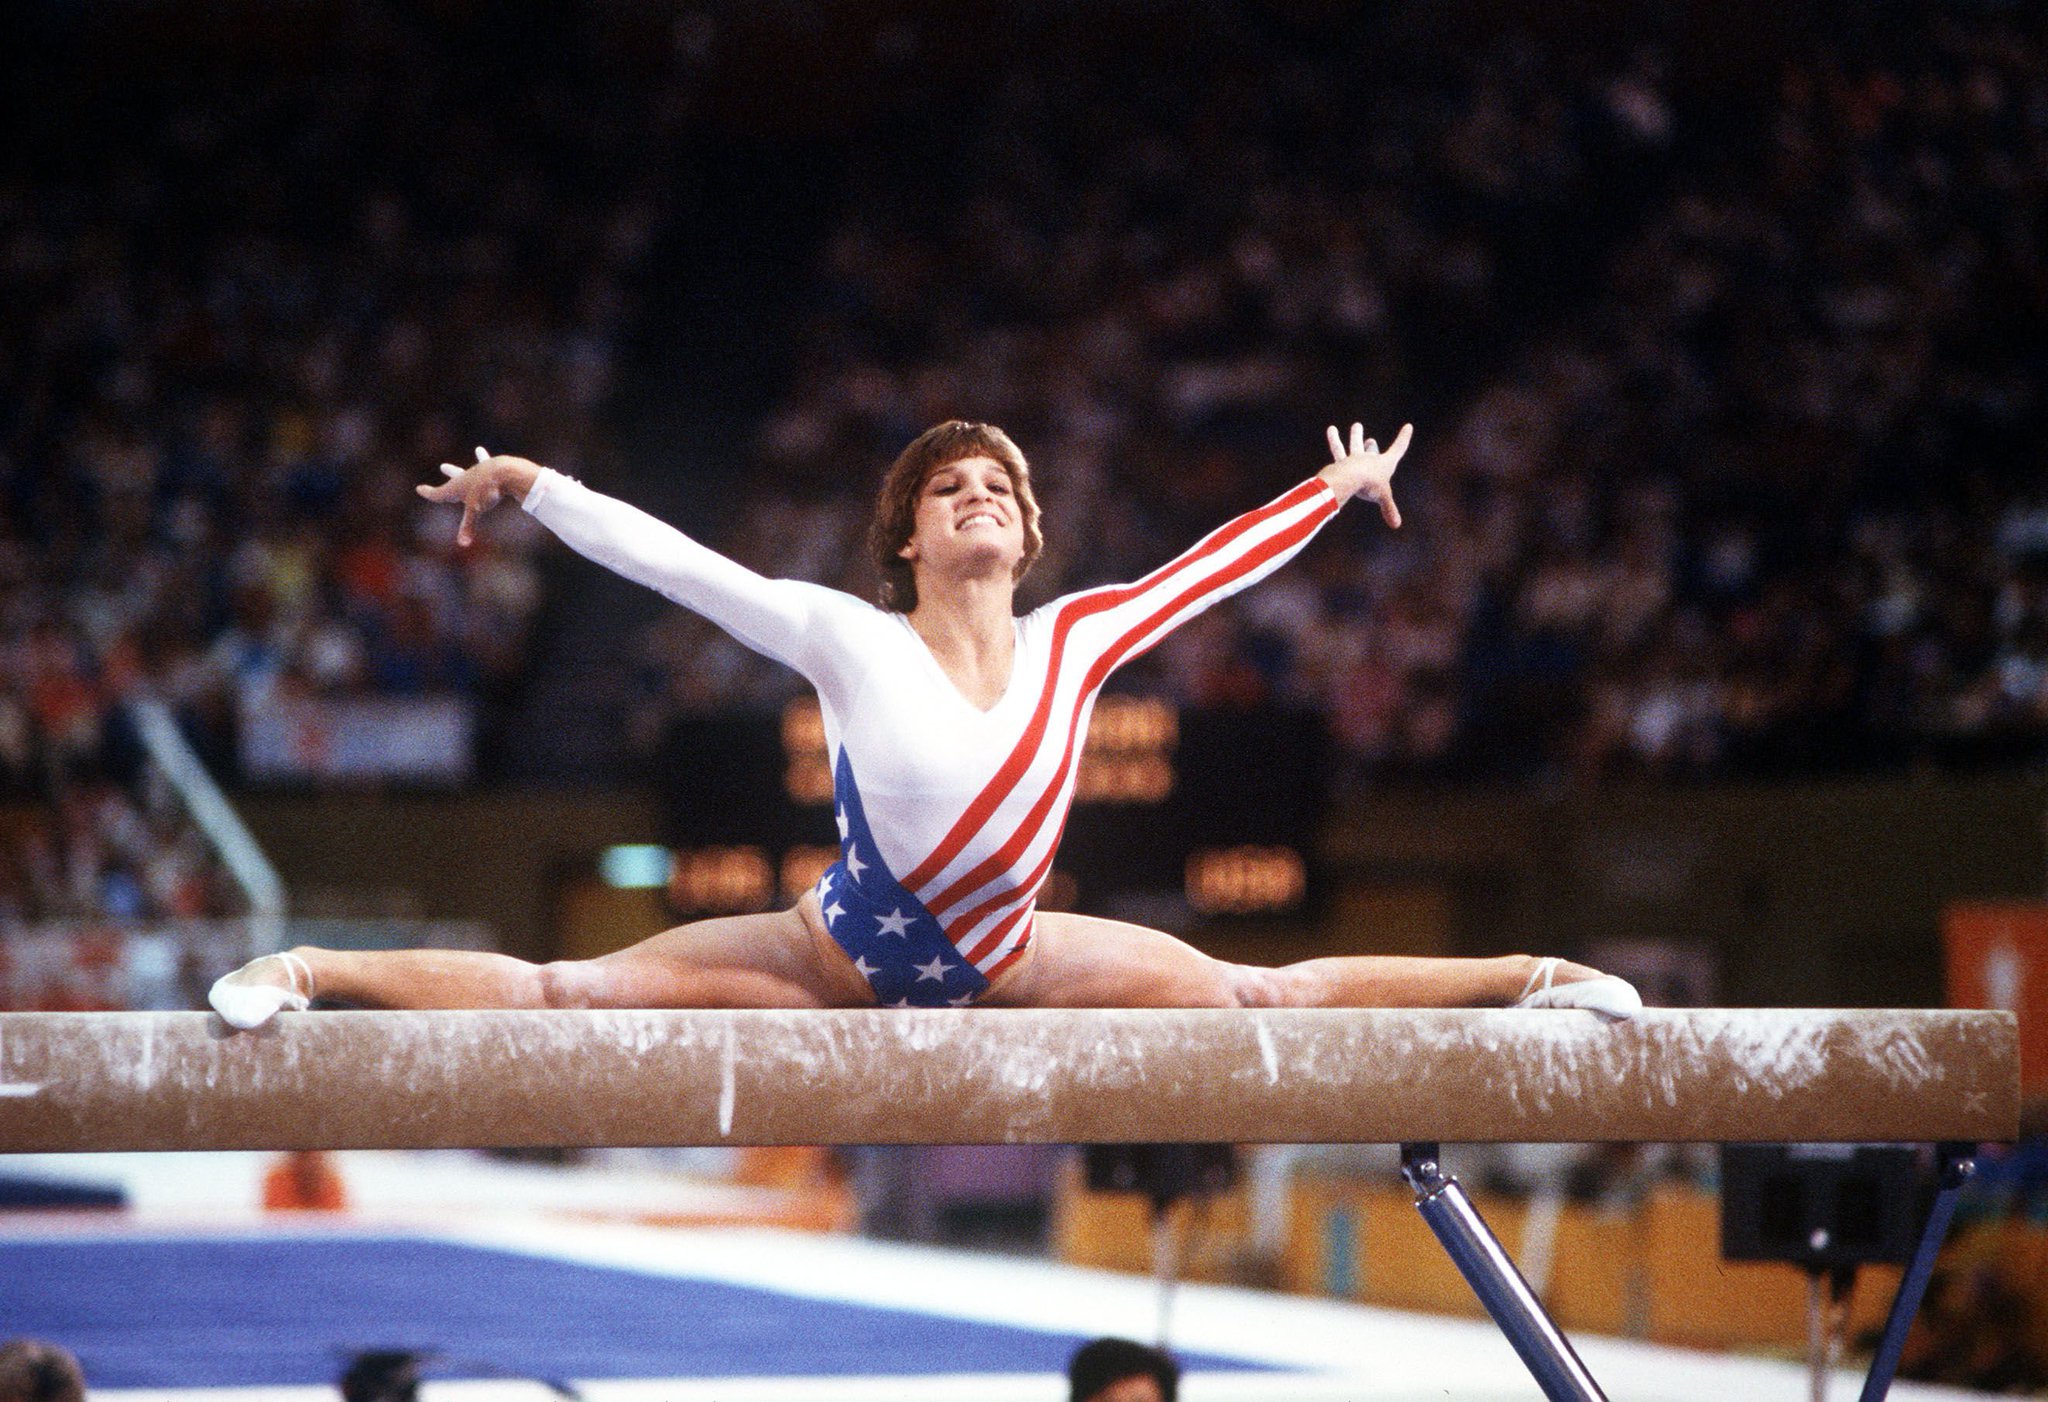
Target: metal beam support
[1954,1164]
[1485,1264]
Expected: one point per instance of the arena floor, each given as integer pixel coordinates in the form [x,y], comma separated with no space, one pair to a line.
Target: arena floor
[502,1270]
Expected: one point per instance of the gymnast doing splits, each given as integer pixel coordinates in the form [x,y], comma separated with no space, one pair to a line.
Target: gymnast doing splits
[954,728]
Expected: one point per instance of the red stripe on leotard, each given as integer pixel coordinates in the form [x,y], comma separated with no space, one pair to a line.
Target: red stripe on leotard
[1109,660]
[1025,751]
[995,903]
[997,969]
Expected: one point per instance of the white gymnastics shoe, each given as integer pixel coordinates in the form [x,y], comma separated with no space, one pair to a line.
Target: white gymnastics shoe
[246,1005]
[1611,997]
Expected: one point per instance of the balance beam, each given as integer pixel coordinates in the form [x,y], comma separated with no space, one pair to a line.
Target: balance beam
[413,1080]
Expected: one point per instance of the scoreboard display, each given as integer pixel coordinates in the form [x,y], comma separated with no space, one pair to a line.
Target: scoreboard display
[1216,809]
[1128,757]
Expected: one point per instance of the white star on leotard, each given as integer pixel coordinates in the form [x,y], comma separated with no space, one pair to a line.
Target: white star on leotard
[862,967]
[853,862]
[935,971]
[962,1001]
[899,1003]
[841,816]
[894,923]
[833,912]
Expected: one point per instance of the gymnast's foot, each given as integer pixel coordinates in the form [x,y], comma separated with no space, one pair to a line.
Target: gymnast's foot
[260,989]
[1557,984]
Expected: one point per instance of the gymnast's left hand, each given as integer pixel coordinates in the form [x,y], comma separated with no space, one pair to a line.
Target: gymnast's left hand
[481,486]
[1365,469]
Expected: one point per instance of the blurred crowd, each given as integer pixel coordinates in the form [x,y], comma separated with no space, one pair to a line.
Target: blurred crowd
[1729,436]
[107,851]
[1729,401]
[1772,499]
[249,306]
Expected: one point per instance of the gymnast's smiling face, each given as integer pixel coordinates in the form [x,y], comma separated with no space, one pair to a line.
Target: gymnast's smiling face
[968,522]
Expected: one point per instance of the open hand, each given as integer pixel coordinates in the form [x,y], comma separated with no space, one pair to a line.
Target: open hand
[1364,469]
[481,487]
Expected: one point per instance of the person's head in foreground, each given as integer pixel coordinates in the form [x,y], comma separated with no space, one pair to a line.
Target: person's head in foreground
[382,1375]
[1119,1370]
[37,1372]
[957,501]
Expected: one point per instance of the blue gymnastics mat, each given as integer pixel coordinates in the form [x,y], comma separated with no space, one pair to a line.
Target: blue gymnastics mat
[235,1312]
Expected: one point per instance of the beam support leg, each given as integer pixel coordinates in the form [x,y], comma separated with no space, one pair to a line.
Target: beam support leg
[1954,1163]
[1485,1264]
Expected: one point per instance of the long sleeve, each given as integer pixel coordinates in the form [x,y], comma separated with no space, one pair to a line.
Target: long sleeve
[778,618]
[1129,619]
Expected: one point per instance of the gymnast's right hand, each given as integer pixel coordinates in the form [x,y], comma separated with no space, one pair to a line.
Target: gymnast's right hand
[260,989]
[481,486]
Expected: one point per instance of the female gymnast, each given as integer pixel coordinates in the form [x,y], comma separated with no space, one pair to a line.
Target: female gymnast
[954,728]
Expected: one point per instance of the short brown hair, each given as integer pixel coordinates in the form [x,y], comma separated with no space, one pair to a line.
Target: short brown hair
[32,1371]
[896,507]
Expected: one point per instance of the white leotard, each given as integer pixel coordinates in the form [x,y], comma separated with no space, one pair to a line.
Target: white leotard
[955,810]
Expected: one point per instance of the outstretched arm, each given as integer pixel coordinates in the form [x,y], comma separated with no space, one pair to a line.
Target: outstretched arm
[1133,617]
[775,617]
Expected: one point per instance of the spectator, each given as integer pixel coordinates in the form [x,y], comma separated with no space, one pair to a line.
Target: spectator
[382,1375]
[31,1371]
[1120,1370]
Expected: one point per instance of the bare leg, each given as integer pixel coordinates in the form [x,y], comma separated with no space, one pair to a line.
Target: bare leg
[1395,981]
[1080,961]
[780,960]
[414,978]
[777,960]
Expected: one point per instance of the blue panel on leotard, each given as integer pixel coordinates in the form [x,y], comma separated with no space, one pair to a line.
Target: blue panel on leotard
[893,940]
